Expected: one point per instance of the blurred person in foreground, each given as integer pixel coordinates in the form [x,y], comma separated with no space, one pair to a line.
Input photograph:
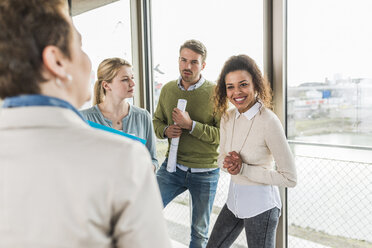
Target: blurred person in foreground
[114,85]
[63,183]
[252,140]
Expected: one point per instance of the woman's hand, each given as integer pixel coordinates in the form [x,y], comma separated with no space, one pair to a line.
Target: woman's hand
[233,163]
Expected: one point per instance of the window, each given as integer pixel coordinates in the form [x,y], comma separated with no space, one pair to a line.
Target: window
[329,117]
[225,31]
[226,28]
[106,33]
[329,71]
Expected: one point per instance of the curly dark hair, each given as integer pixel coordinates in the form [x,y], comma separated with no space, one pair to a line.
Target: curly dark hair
[27,27]
[244,63]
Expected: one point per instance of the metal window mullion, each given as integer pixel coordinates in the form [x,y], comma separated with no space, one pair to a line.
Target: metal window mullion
[275,66]
[141,53]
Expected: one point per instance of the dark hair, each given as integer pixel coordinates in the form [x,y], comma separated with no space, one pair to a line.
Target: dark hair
[244,63]
[197,47]
[27,27]
[108,69]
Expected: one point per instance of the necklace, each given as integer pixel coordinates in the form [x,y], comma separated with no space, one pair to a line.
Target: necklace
[246,137]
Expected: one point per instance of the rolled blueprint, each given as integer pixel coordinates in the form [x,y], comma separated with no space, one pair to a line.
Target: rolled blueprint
[172,156]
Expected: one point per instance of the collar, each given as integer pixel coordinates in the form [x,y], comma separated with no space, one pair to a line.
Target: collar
[192,87]
[39,117]
[250,113]
[38,100]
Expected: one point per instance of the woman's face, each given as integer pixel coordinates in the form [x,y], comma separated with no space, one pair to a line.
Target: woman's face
[122,85]
[240,90]
[79,69]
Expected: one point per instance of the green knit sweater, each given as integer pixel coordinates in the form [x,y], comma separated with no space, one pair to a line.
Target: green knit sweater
[197,149]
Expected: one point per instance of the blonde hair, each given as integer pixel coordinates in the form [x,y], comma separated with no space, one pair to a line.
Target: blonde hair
[107,71]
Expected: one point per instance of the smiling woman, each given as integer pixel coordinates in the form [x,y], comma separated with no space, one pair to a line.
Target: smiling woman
[251,139]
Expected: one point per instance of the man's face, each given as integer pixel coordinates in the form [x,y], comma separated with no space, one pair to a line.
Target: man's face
[190,65]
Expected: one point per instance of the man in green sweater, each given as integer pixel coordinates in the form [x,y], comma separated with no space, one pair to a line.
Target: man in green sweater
[198,128]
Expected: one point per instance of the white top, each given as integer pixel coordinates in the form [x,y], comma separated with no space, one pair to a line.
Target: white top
[257,136]
[241,197]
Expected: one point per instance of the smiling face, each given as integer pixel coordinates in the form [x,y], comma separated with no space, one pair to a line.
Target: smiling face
[240,90]
[122,85]
[190,65]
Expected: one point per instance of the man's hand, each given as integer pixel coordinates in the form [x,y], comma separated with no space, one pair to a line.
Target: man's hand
[182,119]
[173,131]
[233,163]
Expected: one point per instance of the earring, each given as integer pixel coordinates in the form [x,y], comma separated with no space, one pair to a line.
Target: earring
[58,82]
[69,77]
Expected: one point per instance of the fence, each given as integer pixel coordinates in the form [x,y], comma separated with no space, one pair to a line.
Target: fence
[331,204]
[329,207]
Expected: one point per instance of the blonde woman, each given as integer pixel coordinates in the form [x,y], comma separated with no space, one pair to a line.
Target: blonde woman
[252,138]
[115,84]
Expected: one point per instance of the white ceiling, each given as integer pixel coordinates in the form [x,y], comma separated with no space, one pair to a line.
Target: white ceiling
[81,6]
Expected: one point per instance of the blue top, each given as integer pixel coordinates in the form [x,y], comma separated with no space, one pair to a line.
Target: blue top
[37,100]
[138,122]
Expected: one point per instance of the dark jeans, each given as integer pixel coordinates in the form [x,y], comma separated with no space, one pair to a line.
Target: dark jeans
[202,187]
[260,229]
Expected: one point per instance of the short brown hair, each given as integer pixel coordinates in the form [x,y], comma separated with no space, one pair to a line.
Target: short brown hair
[27,27]
[197,47]
[244,63]
[108,69]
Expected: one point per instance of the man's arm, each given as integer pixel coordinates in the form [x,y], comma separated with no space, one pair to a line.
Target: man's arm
[207,133]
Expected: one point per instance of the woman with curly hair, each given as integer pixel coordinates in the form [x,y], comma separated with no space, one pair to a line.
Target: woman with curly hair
[254,150]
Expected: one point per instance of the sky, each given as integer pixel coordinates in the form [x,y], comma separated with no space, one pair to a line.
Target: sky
[329,38]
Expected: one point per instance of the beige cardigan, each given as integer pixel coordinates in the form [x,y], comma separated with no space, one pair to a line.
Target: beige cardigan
[266,143]
[65,184]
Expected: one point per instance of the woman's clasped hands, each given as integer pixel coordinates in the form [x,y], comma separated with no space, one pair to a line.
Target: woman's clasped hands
[233,163]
